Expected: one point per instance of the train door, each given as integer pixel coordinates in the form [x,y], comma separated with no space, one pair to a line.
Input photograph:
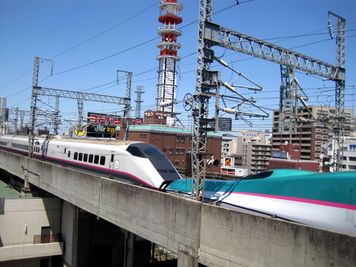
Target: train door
[114,162]
[45,144]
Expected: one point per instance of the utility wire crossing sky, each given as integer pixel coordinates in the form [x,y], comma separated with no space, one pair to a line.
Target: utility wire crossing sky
[87,41]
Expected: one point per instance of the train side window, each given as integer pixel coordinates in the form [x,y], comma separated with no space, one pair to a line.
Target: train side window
[96,159]
[85,159]
[91,158]
[80,156]
[75,155]
[112,158]
[65,151]
[102,160]
[68,153]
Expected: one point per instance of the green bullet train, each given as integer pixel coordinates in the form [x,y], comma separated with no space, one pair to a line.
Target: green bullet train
[321,200]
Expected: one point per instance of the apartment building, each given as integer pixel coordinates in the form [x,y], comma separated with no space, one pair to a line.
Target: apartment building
[313,128]
[349,149]
[253,149]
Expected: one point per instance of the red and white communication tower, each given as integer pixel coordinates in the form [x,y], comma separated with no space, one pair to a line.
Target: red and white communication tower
[167,72]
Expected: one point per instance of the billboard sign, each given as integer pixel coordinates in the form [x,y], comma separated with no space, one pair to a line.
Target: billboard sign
[102,125]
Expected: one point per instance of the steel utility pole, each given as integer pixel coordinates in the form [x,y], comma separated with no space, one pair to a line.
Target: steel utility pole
[206,80]
[36,68]
[339,91]
[127,107]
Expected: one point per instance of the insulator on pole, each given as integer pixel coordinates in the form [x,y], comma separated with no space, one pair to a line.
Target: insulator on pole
[330,30]
[229,86]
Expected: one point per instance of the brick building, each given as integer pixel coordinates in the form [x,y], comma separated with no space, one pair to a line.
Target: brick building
[176,143]
[289,157]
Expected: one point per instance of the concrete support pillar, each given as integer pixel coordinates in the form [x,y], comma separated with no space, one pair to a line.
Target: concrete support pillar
[129,249]
[186,260]
[69,233]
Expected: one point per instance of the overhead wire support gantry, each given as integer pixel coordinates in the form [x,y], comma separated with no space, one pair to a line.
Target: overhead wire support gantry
[207,82]
[262,49]
[59,93]
[80,97]
[217,35]
[127,107]
[44,91]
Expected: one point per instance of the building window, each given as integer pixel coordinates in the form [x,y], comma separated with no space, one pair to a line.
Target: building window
[352,158]
[180,139]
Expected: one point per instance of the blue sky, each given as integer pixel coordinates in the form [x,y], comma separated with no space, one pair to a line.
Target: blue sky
[75,33]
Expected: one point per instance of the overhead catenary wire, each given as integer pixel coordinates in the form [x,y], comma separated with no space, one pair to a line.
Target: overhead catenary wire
[135,46]
[85,42]
[148,41]
[104,32]
[109,83]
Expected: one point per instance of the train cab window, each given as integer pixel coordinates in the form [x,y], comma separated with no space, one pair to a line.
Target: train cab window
[96,159]
[68,153]
[157,158]
[80,156]
[75,155]
[85,158]
[90,158]
[102,160]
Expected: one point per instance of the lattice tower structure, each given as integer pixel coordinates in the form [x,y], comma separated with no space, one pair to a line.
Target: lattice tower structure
[168,56]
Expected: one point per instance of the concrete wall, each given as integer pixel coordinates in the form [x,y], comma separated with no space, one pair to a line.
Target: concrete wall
[230,238]
[161,218]
[23,219]
[20,230]
[197,232]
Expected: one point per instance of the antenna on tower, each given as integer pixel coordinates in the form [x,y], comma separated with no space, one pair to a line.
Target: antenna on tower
[167,71]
